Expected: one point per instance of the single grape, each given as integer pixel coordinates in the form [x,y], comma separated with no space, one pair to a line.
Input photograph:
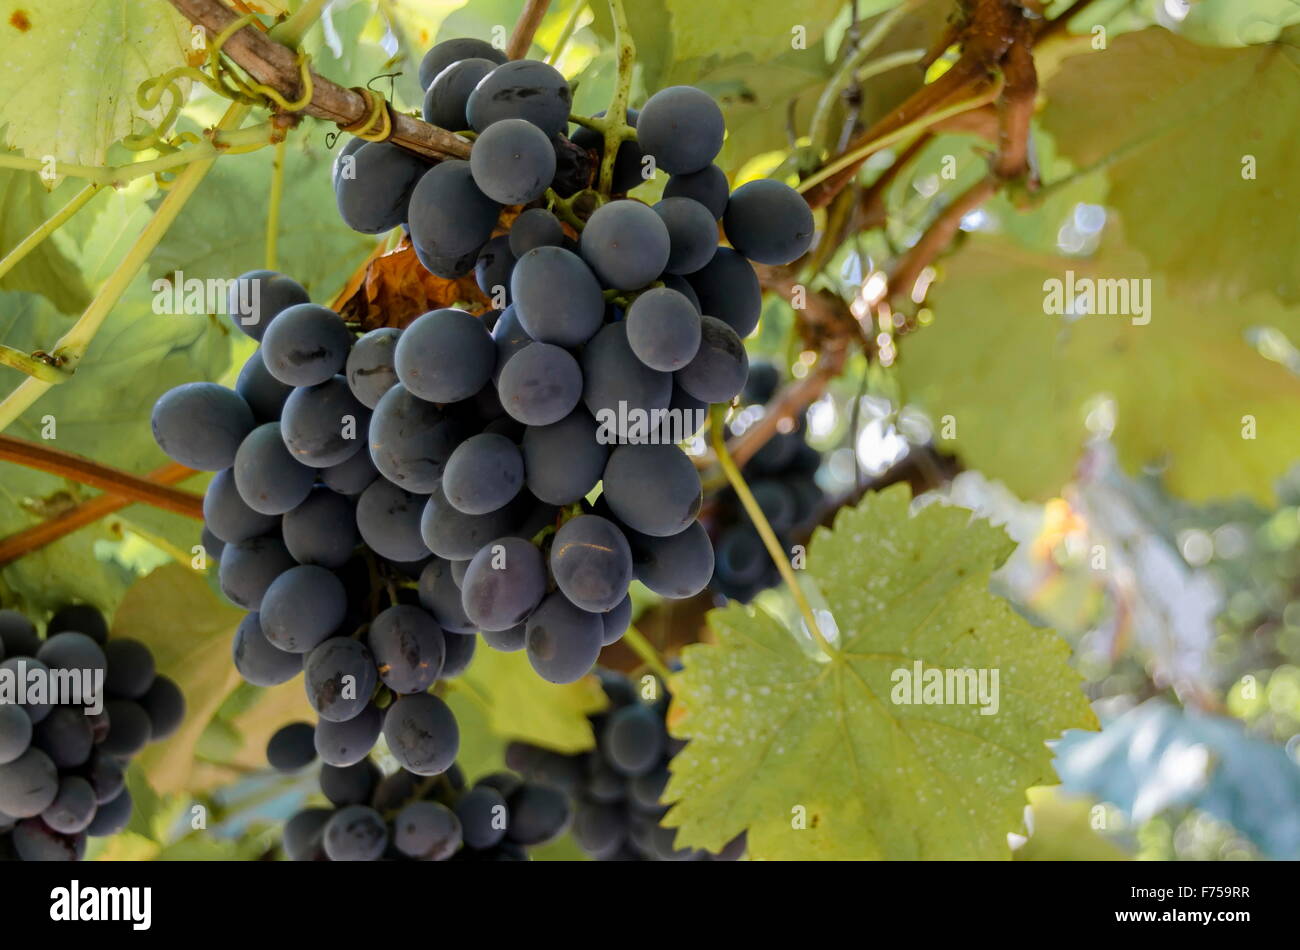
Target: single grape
[324,425]
[73,808]
[292,747]
[347,743]
[306,345]
[258,297]
[112,816]
[422,734]
[563,461]
[388,518]
[509,338]
[264,393]
[129,728]
[355,833]
[105,775]
[452,534]
[663,329]
[28,784]
[201,425]
[26,667]
[33,840]
[374,185]
[619,390]
[566,318]
[409,648]
[626,243]
[453,51]
[503,584]
[411,440]
[728,289]
[450,218]
[692,234]
[353,476]
[483,474]
[563,640]
[678,566]
[761,383]
[633,739]
[708,186]
[536,227]
[18,635]
[513,161]
[507,641]
[369,368]
[591,563]
[349,784]
[15,733]
[339,676]
[682,286]
[483,816]
[538,814]
[302,607]
[615,621]
[444,356]
[322,530]
[72,651]
[682,127]
[540,385]
[164,704]
[448,94]
[303,835]
[599,829]
[248,568]
[460,653]
[427,831]
[493,268]
[522,89]
[65,735]
[269,479]
[441,597]
[227,515]
[718,371]
[741,557]
[653,489]
[130,670]
[769,222]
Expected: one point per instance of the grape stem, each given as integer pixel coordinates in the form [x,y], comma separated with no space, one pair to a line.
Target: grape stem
[616,128]
[718,433]
[646,651]
[48,227]
[72,346]
[104,477]
[38,367]
[530,18]
[563,209]
[273,205]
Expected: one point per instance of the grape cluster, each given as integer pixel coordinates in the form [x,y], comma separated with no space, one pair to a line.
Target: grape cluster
[617,787]
[781,477]
[62,769]
[408,817]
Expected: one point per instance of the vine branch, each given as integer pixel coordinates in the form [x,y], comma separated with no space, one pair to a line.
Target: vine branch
[104,477]
[530,18]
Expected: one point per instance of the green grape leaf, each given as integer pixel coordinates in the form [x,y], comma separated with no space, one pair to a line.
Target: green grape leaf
[72,69]
[816,758]
[1199,167]
[1019,383]
[46,270]
[1237,22]
[221,233]
[762,29]
[521,705]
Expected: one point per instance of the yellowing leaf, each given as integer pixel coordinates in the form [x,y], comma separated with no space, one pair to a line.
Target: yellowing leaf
[761,28]
[175,614]
[1198,162]
[72,68]
[1019,382]
[24,206]
[813,755]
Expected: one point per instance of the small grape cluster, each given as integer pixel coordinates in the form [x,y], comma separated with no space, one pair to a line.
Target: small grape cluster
[617,787]
[781,477]
[62,769]
[404,816]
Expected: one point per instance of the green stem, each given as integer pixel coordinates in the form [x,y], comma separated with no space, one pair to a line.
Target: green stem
[596,125]
[292,30]
[566,34]
[646,651]
[31,365]
[56,221]
[616,127]
[72,346]
[912,128]
[717,425]
[847,71]
[245,140]
[273,205]
[563,208]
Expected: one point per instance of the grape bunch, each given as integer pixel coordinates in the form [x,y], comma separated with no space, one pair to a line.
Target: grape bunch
[62,769]
[409,817]
[617,787]
[781,477]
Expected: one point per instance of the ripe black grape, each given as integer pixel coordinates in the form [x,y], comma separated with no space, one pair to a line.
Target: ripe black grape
[540,385]
[322,530]
[201,425]
[708,186]
[453,51]
[448,94]
[565,319]
[626,243]
[374,185]
[411,440]
[692,234]
[302,607]
[292,747]
[653,489]
[228,516]
[259,296]
[422,734]
[324,425]
[339,676]
[450,218]
[369,368]
[564,461]
[717,372]
[663,329]
[728,289]
[444,356]
[591,563]
[408,647]
[769,222]
[269,479]
[536,227]
[306,345]
[513,161]
[682,128]
[563,640]
[503,584]
[522,89]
